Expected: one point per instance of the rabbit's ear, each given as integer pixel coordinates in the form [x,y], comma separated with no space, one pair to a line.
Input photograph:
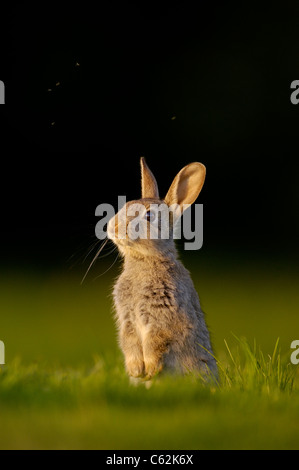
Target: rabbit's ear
[149,187]
[187,185]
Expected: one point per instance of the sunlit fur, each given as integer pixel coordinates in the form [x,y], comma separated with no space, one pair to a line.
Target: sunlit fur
[158,315]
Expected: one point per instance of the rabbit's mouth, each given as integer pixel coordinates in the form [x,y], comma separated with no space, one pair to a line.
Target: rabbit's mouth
[117,236]
[122,241]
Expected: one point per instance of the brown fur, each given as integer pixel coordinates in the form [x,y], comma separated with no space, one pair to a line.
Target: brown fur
[158,315]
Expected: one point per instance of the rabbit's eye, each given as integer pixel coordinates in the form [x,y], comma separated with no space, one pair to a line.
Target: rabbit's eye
[150,216]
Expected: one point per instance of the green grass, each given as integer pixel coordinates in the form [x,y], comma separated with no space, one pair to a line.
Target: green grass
[255,404]
[64,386]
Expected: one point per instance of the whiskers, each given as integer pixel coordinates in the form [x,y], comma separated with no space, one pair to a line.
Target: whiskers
[97,256]
[111,266]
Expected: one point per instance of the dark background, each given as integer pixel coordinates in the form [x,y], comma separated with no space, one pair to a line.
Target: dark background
[180,83]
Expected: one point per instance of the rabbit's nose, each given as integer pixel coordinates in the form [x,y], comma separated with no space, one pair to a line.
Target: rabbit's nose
[117,226]
[114,229]
[110,229]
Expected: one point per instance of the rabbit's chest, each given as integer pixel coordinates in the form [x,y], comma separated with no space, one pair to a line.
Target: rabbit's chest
[141,300]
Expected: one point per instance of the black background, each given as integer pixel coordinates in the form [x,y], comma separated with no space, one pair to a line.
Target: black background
[205,82]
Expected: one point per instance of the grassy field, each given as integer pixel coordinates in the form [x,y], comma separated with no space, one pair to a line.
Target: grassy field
[64,387]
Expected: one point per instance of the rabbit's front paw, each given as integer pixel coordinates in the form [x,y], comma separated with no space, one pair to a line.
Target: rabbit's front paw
[152,368]
[135,368]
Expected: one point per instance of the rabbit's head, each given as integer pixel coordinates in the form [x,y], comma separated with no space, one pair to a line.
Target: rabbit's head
[145,227]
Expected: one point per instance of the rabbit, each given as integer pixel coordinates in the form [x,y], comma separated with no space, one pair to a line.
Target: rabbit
[158,316]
